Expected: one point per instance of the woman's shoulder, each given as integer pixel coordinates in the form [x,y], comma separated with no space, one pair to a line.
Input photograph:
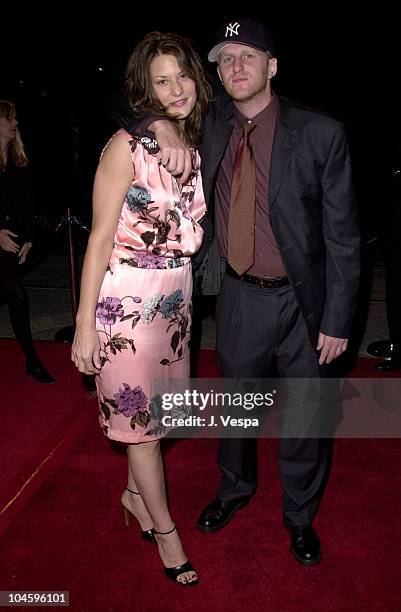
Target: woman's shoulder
[147,142]
[122,143]
[118,143]
[122,133]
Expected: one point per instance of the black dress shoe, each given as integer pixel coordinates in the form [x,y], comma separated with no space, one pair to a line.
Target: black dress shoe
[381,348]
[305,544]
[39,373]
[389,365]
[218,514]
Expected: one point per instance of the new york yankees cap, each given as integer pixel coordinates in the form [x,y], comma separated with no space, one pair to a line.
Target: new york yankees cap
[245,32]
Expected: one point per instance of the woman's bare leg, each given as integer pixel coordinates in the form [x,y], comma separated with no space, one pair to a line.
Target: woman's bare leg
[135,504]
[148,474]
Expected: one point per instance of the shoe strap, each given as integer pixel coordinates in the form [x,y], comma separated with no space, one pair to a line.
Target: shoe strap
[165,532]
[131,491]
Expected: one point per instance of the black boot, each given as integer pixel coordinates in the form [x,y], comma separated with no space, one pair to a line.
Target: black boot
[39,372]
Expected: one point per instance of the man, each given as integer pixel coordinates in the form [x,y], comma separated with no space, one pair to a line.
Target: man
[277,180]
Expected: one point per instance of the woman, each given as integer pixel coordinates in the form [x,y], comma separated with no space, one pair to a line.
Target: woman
[16,214]
[134,317]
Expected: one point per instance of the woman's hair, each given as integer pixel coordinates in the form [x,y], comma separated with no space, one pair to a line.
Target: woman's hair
[141,96]
[16,151]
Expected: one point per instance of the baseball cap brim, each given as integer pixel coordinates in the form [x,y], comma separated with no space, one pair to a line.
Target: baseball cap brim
[215,52]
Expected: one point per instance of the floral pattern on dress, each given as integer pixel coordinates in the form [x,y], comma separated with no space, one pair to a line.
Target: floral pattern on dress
[135,405]
[131,403]
[155,239]
[157,413]
[137,199]
[150,261]
[172,307]
[164,226]
[109,310]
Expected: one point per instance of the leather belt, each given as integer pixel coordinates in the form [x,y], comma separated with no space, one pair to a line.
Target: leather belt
[261,282]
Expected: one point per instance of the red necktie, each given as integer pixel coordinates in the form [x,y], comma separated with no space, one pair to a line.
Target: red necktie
[241,224]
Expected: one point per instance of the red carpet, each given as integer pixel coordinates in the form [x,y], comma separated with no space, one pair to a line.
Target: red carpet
[39,421]
[68,534]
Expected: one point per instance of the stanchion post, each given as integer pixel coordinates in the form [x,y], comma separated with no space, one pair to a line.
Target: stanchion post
[67,333]
[73,269]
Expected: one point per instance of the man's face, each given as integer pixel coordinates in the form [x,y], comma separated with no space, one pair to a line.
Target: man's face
[245,72]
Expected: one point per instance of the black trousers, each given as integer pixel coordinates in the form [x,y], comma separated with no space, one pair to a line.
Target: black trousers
[261,333]
[18,305]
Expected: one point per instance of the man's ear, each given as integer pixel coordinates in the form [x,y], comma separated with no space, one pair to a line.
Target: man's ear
[272,67]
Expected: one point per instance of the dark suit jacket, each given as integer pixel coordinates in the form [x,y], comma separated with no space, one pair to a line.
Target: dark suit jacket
[311,207]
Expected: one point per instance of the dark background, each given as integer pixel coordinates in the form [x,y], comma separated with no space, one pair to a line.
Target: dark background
[62,70]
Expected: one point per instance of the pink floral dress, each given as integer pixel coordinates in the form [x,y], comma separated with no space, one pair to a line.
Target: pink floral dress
[143,315]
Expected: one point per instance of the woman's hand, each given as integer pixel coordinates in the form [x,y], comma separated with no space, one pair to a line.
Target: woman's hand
[85,352]
[7,243]
[26,247]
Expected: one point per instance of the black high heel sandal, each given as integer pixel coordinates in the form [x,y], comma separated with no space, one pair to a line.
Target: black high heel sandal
[174,572]
[147,534]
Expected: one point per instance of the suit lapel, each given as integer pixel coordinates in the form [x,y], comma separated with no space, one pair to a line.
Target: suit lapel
[223,128]
[283,143]
[212,150]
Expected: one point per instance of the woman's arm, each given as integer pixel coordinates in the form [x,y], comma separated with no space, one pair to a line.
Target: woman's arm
[174,154]
[113,178]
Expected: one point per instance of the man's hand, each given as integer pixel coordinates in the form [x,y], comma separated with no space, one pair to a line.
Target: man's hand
[7,243]
[26,247]
[174,154]
[330,348]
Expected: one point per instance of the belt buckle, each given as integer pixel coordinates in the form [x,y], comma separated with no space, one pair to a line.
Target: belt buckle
[260,282]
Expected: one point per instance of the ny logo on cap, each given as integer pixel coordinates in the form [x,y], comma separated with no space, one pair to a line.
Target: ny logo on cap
[232,28]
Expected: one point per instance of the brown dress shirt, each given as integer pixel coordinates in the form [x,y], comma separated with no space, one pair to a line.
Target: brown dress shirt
[268,261]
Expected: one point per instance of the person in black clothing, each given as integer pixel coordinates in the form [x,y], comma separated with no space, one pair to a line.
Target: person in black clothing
[16,214]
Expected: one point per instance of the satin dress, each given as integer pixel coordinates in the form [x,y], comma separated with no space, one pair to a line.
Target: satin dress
[143,315]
